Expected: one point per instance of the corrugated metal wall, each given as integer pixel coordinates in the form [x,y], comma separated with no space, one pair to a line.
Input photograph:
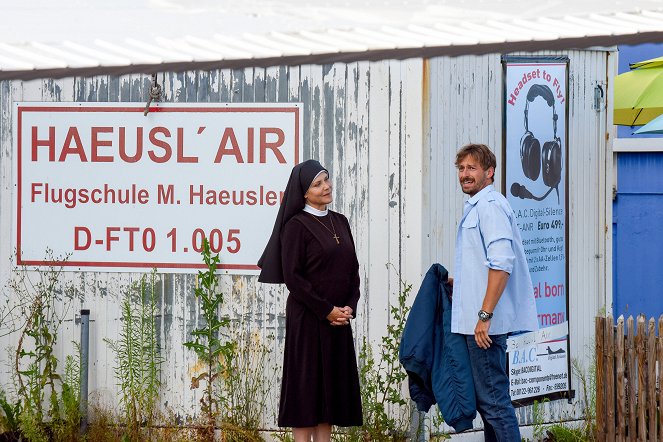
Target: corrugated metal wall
[465,106]
[361,120]
[388,131]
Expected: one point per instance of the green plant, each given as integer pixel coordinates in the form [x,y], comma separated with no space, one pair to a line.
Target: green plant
[282,436]
[207,341]
[102,426]
[67,427]
[434,422]
[43,304]
[246,384]
[588,382]
[559,432]
[9,416]
[386,412]
[538,420]
[137,357]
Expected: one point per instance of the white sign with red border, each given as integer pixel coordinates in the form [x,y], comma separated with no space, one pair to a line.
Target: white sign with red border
[111,189]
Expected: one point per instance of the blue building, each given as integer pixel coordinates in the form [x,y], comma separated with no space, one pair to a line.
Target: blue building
[637,210]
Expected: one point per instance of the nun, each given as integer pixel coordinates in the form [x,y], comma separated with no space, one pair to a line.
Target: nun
[312,251]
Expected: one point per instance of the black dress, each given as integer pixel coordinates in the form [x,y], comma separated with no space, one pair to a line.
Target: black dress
[320,382]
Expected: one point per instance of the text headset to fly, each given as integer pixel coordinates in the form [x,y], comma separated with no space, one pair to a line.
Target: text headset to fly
[533,158]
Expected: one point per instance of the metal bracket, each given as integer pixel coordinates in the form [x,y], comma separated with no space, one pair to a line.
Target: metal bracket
[155,94]
[598,97]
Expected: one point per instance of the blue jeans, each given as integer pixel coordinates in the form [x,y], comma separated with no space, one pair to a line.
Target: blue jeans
[492,390]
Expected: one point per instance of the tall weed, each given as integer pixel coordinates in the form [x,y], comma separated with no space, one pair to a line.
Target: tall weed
[46,408]
[137,357]
[246,385]
[208,344]
[387,413]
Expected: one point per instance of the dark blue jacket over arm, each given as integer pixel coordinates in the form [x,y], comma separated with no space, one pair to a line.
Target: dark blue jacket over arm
[436,360]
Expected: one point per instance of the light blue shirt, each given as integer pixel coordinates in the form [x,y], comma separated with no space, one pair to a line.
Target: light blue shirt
[488,238]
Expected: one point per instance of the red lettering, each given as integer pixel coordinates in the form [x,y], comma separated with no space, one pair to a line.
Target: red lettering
[95,196]
[67,149]
[215,240]
[193,194]
[110,237]
[224,197]
[228,134]
[85,244]
[512,100]
[139,146]
[149,239]
[553,290]
[168,152]
[250,147]
[143,196]
[49,142]
[131,231]
[233,239]
[270,197]
[36,190]
[180,149]
[274,145]
[96,143]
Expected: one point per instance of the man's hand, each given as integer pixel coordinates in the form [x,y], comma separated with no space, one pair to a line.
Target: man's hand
[497,280]
[481,334]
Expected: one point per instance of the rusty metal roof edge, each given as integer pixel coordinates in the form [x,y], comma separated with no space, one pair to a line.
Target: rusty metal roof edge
[344,57]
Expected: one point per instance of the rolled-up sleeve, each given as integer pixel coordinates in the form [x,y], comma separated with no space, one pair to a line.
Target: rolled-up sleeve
[497,237]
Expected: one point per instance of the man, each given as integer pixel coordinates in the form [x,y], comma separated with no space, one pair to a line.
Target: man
[492,289]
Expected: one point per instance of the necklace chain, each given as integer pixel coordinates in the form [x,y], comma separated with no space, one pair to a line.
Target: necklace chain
[330,231]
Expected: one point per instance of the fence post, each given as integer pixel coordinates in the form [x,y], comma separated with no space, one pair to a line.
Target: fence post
[620,388]
[609,345]
[632,379]
[600,379]
[651,378]
[660,377]
[642,382]
[85,356]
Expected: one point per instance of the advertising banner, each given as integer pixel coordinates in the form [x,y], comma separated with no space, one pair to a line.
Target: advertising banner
[536,106]
[101,186]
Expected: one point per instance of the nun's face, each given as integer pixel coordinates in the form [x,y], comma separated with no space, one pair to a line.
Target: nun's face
[319,194]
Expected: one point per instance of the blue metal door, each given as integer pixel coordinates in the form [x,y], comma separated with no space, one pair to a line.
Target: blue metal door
[638,235]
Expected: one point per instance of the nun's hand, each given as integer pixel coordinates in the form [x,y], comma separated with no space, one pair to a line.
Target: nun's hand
[347,310]
[339,316]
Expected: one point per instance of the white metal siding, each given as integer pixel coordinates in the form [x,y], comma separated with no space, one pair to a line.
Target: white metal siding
[362,120]
[388,132]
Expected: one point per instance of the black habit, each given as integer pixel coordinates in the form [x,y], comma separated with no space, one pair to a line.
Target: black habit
[320,381]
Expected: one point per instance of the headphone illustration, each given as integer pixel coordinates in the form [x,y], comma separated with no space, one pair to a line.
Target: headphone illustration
[547,161]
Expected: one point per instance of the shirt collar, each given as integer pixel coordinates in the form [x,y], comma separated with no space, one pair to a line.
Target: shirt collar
[314,211]
[475,199]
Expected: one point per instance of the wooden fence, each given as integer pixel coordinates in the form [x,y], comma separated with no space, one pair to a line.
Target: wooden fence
[629,369]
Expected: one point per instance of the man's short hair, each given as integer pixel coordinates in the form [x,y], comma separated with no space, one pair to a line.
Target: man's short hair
[480,152]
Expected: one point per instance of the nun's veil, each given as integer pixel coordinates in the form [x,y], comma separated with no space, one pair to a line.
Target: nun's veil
[301,177]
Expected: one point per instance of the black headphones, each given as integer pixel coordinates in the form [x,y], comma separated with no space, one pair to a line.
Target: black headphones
[533,159]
